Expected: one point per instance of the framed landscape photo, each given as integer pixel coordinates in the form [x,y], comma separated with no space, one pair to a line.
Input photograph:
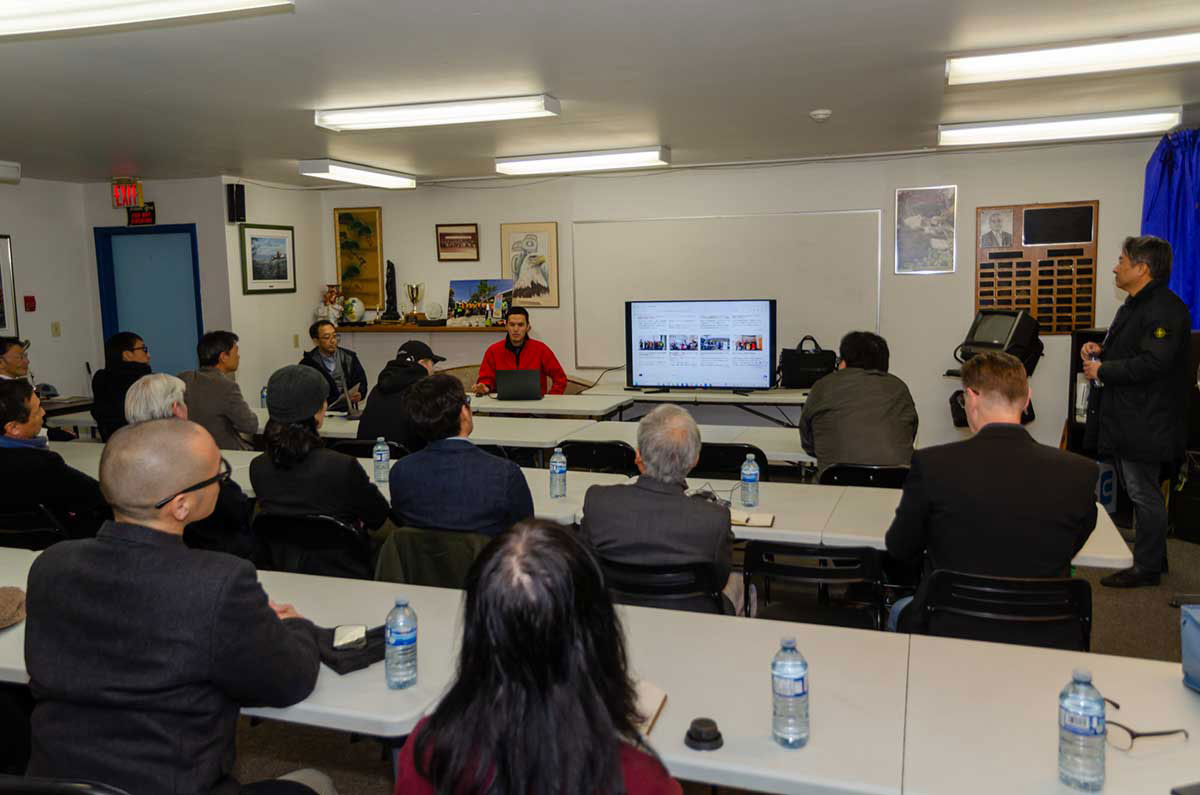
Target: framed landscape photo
[268,258]
[358,238]
[8,290]
[458,242]
[925,229]
[529,256]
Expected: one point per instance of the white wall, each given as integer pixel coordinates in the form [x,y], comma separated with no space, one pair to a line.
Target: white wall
[45,220]
[922,317]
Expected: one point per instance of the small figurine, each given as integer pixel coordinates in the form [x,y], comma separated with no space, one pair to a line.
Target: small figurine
[331,304]
[393,310]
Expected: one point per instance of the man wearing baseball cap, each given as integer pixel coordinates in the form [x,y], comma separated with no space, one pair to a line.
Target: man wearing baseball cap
[385,415]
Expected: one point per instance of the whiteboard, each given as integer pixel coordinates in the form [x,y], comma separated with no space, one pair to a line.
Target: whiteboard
[822,268]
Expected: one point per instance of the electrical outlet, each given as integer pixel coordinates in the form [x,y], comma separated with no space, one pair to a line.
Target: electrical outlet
[295,340]
[55,328]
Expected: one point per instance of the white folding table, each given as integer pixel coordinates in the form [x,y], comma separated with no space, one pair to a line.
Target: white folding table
[592,407]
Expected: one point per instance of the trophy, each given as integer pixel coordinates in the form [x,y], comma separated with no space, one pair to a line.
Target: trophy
[414,295]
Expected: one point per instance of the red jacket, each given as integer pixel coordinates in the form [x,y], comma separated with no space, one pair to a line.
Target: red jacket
[534,355]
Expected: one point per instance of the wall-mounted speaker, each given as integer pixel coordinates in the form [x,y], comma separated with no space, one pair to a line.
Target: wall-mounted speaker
[235,203]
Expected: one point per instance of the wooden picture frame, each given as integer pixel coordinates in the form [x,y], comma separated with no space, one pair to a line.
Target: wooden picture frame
[457,242]
[533,246]
[268,258]
[358,252]
[925,226]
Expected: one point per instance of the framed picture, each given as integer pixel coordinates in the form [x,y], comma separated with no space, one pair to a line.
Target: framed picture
[478,302]
[458,242]
[529,256]
[995,228]
[925,219]
[358,236]
[268,258]
[8,290]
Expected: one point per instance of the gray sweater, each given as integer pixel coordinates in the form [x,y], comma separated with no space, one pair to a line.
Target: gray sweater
[857,416]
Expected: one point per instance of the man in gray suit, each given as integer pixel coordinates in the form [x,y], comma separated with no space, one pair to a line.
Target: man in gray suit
[214,400]
[653,521]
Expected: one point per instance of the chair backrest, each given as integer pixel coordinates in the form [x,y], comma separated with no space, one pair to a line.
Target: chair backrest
[422,556]
[468,374]
[812,564]
[29,527]
[20,785]
[613,457]
[681,586]
[723,461]
[1055,613]
[314,544]
[865,475]
[364,448]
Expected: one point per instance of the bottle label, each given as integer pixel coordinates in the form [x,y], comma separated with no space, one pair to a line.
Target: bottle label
[749,477]
[558,468]
[381,456]
[1084,725]
[790,686]
[395,638]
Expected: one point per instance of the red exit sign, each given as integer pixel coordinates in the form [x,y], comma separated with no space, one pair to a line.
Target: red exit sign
[126,193]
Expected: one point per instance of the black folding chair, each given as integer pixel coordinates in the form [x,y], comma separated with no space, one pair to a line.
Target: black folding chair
[613,457]
[865,475]
[30,527]
[314,544]
[856,573]
[681,586]
[723,461]
[1054,613]
[364,448]
[20,785]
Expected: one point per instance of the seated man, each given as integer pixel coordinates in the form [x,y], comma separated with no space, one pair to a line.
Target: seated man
[385,415]
[654,521]
[998,504]
[214,400]
[178,640]
[859,413]
[452,484]
[161,396]
[339,366]
[518,351]
[33,474]
[14,358]
[126,359]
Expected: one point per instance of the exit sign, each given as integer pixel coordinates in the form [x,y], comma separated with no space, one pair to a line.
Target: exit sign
[126,193]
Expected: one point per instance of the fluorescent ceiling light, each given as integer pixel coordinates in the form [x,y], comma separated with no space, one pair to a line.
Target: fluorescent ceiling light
[435,113]
[10,172]
[25,17]
[1097,125]
[600,160]
[1110,56]
[338,171]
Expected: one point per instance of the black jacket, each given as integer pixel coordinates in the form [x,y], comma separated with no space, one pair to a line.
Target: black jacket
[1141,411]
[227,529]
[109,386]
[33,476]
[140,654]
[325,482]
[353,369]
[384,414]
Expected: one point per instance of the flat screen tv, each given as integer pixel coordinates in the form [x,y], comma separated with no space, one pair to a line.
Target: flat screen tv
[700,344]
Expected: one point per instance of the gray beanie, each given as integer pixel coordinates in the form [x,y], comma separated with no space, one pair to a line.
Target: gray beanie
[295,393]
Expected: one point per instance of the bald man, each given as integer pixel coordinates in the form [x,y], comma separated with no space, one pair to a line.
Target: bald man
[141,651]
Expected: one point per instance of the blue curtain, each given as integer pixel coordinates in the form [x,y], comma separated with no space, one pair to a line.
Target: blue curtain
[1171,210]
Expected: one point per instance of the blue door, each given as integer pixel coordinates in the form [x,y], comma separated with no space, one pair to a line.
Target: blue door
[150,285]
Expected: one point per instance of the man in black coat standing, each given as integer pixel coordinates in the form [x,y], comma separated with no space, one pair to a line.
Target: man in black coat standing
[1137,407]
[385,414]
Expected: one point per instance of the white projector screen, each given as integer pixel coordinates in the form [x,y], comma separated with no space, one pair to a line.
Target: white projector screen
[822,268]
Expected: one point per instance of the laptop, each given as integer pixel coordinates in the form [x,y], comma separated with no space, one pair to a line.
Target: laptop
[518,384]
[353,412]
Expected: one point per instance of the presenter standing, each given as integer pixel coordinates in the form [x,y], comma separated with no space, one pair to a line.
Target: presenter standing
[518,351]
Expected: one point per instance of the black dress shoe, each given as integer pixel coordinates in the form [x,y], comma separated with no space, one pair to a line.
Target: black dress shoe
[1133,577]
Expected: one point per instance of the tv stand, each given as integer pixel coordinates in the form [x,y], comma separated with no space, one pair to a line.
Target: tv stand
[659,391]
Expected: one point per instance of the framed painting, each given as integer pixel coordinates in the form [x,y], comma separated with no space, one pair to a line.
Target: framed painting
[925,229]
[529,256]
[358,237]
[458,242]
[8,290]
[268,258]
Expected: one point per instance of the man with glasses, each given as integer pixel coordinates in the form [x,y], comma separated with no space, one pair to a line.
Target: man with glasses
[340,366]
[14,358]
[126,359]
[452,484]
[177,640]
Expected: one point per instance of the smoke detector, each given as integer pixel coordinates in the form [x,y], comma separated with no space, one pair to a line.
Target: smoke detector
[820,115]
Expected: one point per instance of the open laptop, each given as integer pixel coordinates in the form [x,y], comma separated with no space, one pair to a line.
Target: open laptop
[518,385]
[353,412]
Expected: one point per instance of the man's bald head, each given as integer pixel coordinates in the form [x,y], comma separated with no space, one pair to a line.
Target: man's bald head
[152,460]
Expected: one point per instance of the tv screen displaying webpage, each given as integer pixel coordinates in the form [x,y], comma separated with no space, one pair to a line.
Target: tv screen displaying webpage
[700,344]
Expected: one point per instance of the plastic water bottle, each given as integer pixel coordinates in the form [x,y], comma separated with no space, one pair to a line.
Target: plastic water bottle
[262,398]
[789,688]
[558,474]
[750,482]
[400,655]
[383,457]
[1081,730]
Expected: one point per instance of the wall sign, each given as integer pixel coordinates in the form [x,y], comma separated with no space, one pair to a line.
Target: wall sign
[141,216]
[126,192]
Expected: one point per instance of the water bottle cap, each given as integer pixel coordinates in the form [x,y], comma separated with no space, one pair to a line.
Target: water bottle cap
[558,449]
[401,601]
[749,456]
[1082,675]
[380,439]
[787,643]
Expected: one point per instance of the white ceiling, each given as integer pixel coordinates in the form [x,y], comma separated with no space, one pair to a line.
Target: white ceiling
[715,80]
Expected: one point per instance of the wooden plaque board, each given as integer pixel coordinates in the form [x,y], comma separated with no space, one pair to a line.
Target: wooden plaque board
[1055,284]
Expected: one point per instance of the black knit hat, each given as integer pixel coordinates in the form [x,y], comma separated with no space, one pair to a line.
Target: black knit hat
[295,393]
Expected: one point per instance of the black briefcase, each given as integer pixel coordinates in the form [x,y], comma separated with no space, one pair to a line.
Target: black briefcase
[800,369]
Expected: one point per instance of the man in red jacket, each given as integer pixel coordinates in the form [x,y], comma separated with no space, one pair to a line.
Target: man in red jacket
[518,352]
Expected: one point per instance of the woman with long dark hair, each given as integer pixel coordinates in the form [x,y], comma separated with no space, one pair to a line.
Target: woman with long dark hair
[542,702]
